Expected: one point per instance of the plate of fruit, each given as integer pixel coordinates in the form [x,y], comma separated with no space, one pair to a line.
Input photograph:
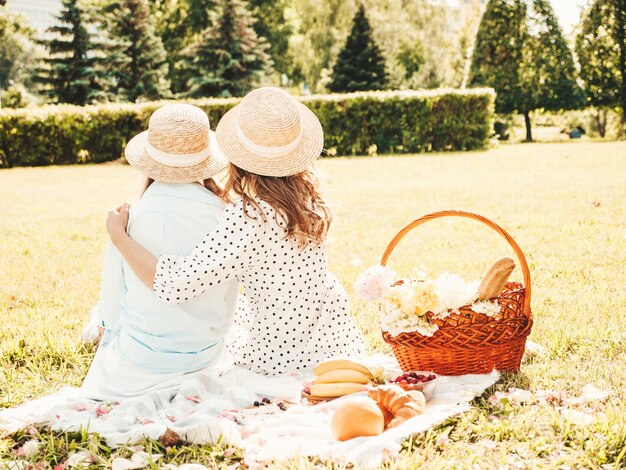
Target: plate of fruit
[425,382]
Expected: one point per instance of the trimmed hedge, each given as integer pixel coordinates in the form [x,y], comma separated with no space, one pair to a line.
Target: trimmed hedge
[396,122]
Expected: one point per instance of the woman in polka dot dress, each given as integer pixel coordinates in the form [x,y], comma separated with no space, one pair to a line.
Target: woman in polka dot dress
[272,239]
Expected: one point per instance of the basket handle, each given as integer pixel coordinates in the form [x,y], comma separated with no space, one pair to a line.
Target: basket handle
[468,215]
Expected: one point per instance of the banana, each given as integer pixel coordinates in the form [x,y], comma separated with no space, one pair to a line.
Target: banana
[342,375]
[342,364]
[335,390]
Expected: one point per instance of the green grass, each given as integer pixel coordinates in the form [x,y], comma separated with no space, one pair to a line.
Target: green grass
[565,204]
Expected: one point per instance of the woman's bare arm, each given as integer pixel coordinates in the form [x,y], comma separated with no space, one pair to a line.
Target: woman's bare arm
[141,261]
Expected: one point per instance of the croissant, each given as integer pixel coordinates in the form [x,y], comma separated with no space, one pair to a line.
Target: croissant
[401,404]
[387,416]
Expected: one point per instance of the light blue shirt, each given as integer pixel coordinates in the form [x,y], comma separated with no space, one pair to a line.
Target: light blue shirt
[168,219]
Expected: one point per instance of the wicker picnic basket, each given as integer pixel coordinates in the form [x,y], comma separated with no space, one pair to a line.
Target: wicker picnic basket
[468,342]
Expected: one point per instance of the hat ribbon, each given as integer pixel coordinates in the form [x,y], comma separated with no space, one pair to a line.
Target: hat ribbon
[266,151]
[177,159]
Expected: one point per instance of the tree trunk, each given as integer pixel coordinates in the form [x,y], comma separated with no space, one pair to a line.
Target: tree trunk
[601,117]
[529,133]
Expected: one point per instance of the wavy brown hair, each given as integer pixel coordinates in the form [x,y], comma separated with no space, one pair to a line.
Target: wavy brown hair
[295,198]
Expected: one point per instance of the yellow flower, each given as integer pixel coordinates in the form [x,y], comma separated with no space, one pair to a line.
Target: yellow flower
[425,299]
[403,307]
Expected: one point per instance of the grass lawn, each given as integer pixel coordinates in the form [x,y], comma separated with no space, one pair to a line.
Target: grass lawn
[565,204]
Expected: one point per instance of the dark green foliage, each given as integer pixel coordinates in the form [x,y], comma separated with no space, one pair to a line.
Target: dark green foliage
[601,50]
[549,78]
[199,14]
[141,68]
[397,122]
[13,98]
[71,73]
[172,25]
[229,57]
[411,58]
[17,96]
[272,25]
[499,53]
[406,122]
[360,65]
[58,135]
[520,52]
[65,135]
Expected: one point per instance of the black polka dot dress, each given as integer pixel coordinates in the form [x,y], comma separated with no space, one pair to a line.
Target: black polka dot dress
[298,311]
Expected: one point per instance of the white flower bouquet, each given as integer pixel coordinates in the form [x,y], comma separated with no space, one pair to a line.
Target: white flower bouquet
[412,304]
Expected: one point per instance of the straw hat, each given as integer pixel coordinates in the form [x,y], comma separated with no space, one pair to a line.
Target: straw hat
[271,134]
[178,146]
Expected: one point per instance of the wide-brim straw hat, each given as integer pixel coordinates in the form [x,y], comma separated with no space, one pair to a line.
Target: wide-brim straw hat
[178,147]
[271,134]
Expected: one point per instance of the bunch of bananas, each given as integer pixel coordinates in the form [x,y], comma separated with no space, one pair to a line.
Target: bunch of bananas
[338,377]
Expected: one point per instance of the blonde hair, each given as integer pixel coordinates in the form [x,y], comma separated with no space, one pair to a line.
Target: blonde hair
[294,198]
[208,183]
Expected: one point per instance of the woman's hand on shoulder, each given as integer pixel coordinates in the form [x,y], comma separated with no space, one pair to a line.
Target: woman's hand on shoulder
[117,220]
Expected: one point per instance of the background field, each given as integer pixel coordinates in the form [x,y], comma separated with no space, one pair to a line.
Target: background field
[565,204]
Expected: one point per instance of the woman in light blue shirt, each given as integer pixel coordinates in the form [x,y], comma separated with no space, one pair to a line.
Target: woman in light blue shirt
[148,345]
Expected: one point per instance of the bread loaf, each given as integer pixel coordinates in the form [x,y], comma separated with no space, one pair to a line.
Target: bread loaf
[401,404]
[359,416]
[496,278]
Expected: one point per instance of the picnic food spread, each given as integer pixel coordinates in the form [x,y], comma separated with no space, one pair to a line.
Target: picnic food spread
[421,319]
[385,407]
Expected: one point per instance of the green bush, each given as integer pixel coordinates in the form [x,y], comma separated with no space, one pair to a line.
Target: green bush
[400,122]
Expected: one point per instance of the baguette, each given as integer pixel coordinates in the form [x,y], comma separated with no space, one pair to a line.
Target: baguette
[491,286]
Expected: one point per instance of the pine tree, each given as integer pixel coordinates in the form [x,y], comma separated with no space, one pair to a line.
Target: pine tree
[72,72]
[601,51]
[229,57]
[143,73]
[360,65]
[271,24]
[498,52]
[199,14]
[520,52]
[173,26]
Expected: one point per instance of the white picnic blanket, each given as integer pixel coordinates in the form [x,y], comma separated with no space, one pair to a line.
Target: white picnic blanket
[201,411]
